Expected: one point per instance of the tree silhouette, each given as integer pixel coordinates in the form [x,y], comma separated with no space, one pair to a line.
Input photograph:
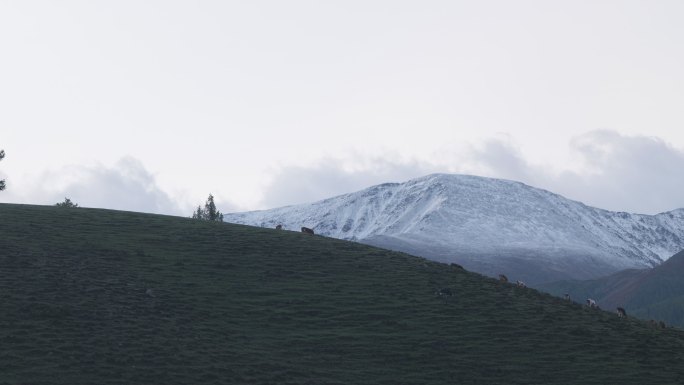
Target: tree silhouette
[67,203]
[209,213]
[2,182]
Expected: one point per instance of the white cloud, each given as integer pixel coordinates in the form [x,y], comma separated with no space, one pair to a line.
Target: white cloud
[612,171]
[616,172]
[125,186]
[627,173]
[330,177]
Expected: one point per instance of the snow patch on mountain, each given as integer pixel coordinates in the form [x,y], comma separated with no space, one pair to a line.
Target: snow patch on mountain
[468,214]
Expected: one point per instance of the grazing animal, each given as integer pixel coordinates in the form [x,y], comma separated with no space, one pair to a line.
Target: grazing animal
[456,265]
[621,312]
[591,303]
[279,227]
[520,284]
[567,297]
[503,278]
[307,230]
[445,293]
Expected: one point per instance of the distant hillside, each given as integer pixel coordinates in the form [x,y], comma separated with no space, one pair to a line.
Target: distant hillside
[107,297]
[656,293]
[490,226]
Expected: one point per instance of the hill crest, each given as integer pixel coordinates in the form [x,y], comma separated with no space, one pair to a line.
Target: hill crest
[107,297]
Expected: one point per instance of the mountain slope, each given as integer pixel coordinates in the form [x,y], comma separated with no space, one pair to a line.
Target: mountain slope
[656,293]
[490,226]
[106,297]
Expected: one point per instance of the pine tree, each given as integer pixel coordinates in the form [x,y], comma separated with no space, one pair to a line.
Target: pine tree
[67,203]
[199,214]
[212,214]
[2,182]
[209,213]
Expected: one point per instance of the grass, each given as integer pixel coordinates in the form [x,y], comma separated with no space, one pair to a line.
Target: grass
[647,294]
[108,297]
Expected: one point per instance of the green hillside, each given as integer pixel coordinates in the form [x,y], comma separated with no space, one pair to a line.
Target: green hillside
[107,297]
[656,293]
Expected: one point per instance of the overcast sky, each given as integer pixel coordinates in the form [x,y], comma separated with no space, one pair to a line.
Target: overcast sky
[152,105]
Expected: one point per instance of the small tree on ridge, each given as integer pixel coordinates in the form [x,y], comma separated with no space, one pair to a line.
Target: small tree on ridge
[2,182]
[67,203]
[209,213]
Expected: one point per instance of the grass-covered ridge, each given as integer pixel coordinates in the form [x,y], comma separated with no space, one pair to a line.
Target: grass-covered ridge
[655,293]
[235,304]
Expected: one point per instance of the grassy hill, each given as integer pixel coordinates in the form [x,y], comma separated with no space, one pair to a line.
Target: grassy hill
[656,293]
[107,297]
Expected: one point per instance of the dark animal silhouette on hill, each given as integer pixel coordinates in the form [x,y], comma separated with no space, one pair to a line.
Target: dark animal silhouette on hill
[445,293]
[621,312]
[503,278]
[307,230]
[279,227]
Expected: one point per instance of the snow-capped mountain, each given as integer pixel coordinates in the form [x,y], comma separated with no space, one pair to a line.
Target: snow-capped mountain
[488,225]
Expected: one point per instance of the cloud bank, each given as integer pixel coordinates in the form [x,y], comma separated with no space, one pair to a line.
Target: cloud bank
[616,172]
[626,173]
[125,186]
[330,177]
[612,171]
